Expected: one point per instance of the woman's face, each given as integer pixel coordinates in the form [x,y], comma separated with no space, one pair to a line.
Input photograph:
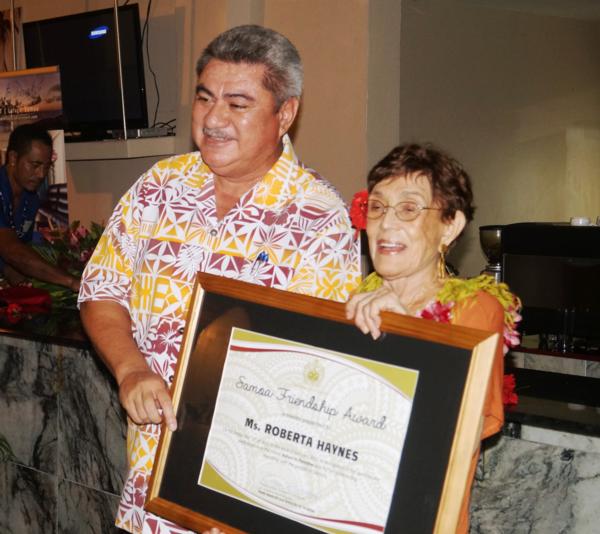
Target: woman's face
[407,249]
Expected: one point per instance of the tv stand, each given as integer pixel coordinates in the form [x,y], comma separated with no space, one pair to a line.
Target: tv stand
[86,136]
[120,148]
[140,133]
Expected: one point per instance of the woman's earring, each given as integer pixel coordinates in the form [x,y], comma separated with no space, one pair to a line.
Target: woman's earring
[442,271]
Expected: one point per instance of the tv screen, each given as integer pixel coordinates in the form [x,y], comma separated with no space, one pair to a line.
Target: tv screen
[84,46]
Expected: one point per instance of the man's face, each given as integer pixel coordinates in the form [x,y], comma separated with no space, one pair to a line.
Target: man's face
[28,171]
[235,123]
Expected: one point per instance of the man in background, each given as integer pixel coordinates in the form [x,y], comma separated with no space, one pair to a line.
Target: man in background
[243,207]
[28,160]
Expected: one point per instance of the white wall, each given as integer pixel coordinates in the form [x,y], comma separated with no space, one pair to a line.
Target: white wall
[516,98]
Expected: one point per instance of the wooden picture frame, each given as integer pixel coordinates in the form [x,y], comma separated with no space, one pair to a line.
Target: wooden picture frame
[453,365]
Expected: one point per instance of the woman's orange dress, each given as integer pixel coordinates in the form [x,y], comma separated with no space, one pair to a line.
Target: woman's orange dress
[476,303]
[483,311]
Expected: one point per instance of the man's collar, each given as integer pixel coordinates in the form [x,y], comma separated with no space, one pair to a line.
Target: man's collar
[287,161]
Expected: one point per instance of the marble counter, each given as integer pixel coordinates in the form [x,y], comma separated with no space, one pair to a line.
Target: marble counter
[59,327]
[62,433]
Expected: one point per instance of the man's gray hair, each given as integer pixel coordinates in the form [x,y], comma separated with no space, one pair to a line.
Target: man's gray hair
[255,44]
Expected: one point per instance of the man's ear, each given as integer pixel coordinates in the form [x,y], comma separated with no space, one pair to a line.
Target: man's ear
[287,113]
[454,227]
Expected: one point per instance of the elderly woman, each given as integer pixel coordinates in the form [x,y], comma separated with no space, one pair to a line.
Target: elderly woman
[418,203]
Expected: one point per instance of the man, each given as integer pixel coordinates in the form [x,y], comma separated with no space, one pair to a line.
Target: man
[28,160]
[242,207]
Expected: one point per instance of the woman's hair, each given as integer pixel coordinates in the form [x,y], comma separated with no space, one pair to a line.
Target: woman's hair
[450,183]
[257,45]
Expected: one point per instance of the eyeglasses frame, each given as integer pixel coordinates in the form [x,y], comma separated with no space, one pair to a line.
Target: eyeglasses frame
[386,207]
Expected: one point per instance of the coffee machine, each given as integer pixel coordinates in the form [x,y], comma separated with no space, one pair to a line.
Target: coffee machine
[490,238]
[555,269]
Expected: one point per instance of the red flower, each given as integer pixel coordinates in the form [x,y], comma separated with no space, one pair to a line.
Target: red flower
[358,211]
[436,311]
[509,397]
[13,312]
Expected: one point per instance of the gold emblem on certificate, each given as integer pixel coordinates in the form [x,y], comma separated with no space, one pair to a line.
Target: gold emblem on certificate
[313,372]
[309,434]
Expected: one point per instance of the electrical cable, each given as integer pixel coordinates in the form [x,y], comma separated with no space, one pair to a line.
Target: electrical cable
[168,125]
[146,36]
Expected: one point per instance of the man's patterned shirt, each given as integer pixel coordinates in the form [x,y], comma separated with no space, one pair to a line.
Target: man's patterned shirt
[290,231]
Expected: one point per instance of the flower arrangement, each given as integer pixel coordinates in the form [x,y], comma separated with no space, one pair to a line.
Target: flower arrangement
[69,247]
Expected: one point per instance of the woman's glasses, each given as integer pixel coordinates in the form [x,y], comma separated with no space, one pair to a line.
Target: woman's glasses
[405,211]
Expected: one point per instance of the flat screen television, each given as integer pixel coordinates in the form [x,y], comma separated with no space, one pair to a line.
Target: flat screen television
[84,46]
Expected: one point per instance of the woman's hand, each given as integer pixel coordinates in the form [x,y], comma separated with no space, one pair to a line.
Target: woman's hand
[365,309]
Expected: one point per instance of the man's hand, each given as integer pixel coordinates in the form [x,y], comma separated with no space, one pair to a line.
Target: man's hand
[145,397]
[26,261]
[143,394]
[14,277]
[74,284]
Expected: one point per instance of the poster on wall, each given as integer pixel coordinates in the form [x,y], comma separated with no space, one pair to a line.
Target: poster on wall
[30,95]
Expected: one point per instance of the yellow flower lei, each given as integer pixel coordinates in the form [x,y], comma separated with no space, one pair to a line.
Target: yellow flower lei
[458,289]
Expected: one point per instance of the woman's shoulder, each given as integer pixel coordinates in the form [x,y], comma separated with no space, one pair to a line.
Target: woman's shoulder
[481,297]
[482,289]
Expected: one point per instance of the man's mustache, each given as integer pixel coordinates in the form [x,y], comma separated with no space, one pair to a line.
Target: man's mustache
[216,133]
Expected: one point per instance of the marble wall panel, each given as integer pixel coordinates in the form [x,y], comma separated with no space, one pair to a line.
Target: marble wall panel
[28,403]
[515,359]
[593,369]
[83,510]
[557,438]
[27,500]
[59,414]
[555,364]
[536,489]
[92,447]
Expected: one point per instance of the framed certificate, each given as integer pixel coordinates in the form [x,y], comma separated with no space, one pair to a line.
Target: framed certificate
[292,420]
